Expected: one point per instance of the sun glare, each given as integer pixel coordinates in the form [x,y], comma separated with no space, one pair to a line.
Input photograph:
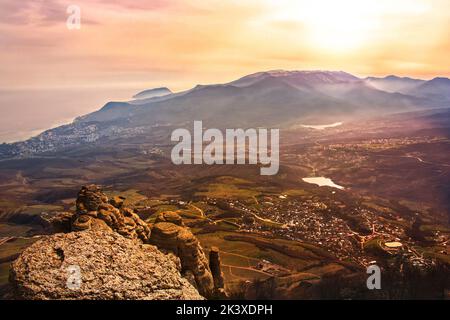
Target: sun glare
[339,26]
[331,25]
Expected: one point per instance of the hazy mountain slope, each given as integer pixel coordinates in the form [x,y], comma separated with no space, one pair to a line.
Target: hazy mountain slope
[437,89]
[307,79]
[268,99]
[394,83]
[151,93]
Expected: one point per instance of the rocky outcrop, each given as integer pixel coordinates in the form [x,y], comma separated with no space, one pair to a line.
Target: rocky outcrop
[215,267]
[217,274]
[170,216]
[97,265]
[179,240]
[60,222]
[95,211]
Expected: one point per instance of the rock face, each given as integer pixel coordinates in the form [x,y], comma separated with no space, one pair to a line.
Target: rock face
[216,271]
[179,240]
[170,216]
[214,265]
[61,222]
[95,211]
[97,265]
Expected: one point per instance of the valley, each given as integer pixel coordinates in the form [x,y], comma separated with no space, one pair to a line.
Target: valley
[363,178]
[277,228]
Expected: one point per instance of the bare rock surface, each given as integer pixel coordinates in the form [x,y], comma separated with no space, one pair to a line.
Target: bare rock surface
[170,216]
[110,267]
[95,211]
[97,214]
[215,266]
[179,240]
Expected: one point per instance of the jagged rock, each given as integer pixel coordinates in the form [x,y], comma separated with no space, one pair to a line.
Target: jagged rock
[111,267]
[170,216]
[193,258]
[216,271]
[164,235]
[96,211]
[139,226]
[90,198]
[82,222]
[194,264]
[61,222]
[87,222]
[117,201]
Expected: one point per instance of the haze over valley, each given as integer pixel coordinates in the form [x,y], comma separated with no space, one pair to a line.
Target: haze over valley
[363,177]
[300,97]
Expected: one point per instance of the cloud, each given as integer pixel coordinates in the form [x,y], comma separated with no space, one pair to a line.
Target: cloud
[137,5]
[188,41]
[26,12]
[39,13]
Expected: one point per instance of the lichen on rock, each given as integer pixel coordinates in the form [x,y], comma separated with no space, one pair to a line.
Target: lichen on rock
[110,267]
[97,215]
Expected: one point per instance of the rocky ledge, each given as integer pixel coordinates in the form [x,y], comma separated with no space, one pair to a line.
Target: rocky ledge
[97,265]
[117,255]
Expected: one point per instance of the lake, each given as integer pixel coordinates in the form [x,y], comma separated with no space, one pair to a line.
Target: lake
[322,181]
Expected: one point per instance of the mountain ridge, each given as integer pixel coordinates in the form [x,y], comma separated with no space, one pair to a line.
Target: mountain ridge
[151,93]
[276,98]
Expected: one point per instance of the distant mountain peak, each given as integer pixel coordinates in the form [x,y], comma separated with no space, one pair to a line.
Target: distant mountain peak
[284,73]
[393,83]
[437,89]
[152,93]
[440,80]
[393,77]
[307,77]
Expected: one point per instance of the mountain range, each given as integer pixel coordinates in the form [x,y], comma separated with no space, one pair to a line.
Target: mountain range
[437,89]
[279,98]
[270,99]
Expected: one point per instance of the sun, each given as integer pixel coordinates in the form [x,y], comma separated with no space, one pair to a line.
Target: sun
[340,25]
[331,25]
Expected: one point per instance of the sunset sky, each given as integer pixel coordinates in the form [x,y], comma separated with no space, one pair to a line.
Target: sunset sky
[133,45]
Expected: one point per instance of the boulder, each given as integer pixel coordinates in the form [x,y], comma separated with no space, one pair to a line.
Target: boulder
[96,211]
[90,198]
[194,264]
[170,216]
[60,222]
[97,265]
[117,201]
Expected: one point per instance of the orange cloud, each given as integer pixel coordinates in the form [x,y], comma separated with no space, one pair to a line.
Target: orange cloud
[180,43]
